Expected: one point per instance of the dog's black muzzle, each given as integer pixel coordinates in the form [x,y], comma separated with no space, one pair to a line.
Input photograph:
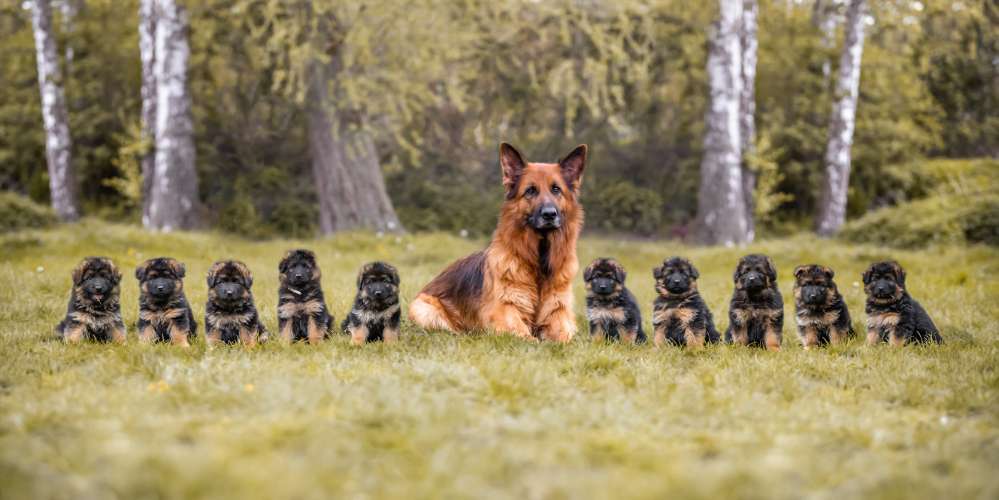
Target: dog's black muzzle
[753,281]
[883,289]
[603,286]
[546,217]
[229,292]
[160,288]
[380,294]
[676,283]
[97,288]
[813,295]
[299,275]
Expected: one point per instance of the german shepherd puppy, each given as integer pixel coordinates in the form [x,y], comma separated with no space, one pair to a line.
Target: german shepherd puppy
[679,314]
[820,311]
[94,312]
[756,313]
[892,315]
[375,314]
[230,315]
[164,313]
[302,313]
[611,308]
[522,282]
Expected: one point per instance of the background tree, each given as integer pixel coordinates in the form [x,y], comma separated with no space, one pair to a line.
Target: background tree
[722,217]
[173,191]
[58,144]
[832,204]
[747,109]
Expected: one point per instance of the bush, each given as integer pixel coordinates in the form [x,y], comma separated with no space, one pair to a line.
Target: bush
[622,207]
[19,212]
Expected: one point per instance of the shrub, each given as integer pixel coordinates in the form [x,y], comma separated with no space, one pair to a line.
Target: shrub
[19,212]
[622,207]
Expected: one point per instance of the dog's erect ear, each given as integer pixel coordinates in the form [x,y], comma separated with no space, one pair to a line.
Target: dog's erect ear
[899,273]
[693,270]
[867,274]
[771,270]
[78,271]
[798,271]
[828,272]
[512,164]
[572,167]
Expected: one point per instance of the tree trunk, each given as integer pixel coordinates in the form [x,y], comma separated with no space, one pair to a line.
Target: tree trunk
[58,144]
[348,178]
[147,54]
[832,203]
[69,8]
[721,206]
[173,202]
[747,110]
[824,18]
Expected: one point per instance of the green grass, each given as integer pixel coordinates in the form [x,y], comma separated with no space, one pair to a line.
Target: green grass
[484,416]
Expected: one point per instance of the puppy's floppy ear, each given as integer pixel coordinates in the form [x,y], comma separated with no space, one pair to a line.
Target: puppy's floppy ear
[899,273]
[113,269]
[246,277]
[513,165]
[738,271]
[140,272]
[693,270]
[828,272]
[771,269]
[393,273]
[79,270]
[213,272]
[283,265]
[867,274]
[178,268]
[798,271]
[365,269]
[588,272]
[572,167]
[619,273]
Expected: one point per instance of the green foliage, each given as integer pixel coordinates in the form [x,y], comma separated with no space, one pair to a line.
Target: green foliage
[448,416]
[622,207]
[19,212]
[954,201]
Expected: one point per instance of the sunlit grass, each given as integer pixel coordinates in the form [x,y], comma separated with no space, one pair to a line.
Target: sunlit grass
[444,416]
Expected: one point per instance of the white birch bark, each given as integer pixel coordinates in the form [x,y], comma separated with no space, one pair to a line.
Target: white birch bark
[58,144]
[824,17]
[721,207]
[747,109]
[147,55]
[173,200]
[832,202]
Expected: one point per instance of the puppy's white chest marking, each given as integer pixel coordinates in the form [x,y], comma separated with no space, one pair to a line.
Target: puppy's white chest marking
[615,314]
[366,316]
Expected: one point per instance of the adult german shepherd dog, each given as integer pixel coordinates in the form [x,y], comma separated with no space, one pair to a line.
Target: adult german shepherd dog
[521,283]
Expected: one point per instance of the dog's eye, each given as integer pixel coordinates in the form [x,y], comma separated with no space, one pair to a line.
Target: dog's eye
[531,192]
[556,189]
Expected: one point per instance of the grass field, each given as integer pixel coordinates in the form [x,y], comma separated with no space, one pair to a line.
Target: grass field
[485,416]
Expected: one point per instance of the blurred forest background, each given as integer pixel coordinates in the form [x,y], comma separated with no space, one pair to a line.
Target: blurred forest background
[293,118]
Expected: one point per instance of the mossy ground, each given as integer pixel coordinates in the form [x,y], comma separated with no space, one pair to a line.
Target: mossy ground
[485,416]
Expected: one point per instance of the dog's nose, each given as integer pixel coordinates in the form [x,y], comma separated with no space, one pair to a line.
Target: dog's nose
[228,293]
[549,212]
[378,293]
[676,281]
[98,288]
[160,288]
[298,276]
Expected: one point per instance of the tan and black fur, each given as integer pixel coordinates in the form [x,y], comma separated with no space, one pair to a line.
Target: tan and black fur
[892,315]
[820,312]
[94,311]
[611,308]
[302,312]
[375,314]
[756,312]
[164,313]
[230,314]
[679,314]
[522,282]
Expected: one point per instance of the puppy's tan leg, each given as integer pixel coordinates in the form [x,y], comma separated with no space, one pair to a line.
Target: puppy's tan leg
[597,333]
[286,333]
[627,336]
[74,333]
[358,334]
[809,336]
[147,334]
[178,335]
[873,336]
[118,334]
[694,338]
[740,335]
[248,336]
[659,339]
[894,339]
[771,339]
[837,335]
[315,335]
[390,334]
[213,336]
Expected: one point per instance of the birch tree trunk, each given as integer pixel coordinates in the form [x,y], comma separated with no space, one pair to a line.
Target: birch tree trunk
[721,206]
[147,55]
[349,181]
[832,202]
[58,144]
[824,18]
[747,109]
[173,197]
